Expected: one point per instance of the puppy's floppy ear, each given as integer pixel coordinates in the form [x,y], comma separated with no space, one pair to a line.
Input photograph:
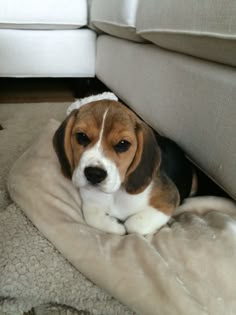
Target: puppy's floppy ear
[146,161]
[62,144]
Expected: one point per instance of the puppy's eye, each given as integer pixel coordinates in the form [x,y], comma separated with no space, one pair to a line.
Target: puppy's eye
[122,146]
[82,139]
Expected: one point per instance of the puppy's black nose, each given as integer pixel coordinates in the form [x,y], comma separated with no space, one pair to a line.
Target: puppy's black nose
[95,175]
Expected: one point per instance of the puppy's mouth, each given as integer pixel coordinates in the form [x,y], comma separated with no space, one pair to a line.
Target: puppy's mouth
[106,187]
[103,188]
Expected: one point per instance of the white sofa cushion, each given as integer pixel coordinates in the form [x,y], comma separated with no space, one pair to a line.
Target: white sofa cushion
[42,53]
[43,14]
[203,29]
[116,17]
[187,99]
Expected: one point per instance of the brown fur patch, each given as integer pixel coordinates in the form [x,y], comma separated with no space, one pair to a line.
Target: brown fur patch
[62,145]
[146,162]
[164,196]
[67,141]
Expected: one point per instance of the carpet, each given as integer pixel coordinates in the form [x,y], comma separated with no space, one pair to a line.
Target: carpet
[20,126]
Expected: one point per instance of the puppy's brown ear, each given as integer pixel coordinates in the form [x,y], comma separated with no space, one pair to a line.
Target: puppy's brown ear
[146,161]
[62,144]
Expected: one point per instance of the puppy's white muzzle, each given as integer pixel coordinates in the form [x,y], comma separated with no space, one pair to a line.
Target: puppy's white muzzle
[93,158]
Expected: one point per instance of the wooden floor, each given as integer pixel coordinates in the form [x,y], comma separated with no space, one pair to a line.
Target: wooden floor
[36,90]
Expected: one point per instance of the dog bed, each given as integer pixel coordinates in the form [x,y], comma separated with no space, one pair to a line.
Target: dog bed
[188,267]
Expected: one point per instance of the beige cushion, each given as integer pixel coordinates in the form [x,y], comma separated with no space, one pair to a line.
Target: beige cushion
[43,14]
[116,17]
[190,100]
[186,268]
[203,29]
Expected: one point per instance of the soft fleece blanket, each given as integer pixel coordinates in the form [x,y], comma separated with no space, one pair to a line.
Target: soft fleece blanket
[188,267]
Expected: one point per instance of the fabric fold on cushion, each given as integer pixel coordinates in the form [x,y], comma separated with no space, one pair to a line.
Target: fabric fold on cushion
[186,268]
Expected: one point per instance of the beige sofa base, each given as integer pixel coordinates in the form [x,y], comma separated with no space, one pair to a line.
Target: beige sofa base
[187,99]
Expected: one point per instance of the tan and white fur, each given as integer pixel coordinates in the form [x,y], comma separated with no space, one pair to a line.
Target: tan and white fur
[113,158]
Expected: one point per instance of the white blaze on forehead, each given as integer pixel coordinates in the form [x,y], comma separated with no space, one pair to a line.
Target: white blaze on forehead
[102,129]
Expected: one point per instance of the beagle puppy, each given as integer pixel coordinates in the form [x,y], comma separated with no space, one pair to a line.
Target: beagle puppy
[130,180]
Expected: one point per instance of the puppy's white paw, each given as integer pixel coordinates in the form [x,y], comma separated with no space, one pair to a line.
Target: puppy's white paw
[136,225]
[97,218]
[146,222]
[115,227]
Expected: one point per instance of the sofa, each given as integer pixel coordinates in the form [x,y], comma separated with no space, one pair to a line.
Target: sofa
[172,62]
[177,71]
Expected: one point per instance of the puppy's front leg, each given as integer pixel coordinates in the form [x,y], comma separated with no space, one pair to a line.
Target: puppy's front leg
[97,217]
[146,221]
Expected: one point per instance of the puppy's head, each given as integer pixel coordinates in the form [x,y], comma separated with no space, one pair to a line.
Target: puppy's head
[104,144]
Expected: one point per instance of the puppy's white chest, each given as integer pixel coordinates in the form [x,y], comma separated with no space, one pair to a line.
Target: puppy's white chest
[102,210]
[120,204]
[125,205]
